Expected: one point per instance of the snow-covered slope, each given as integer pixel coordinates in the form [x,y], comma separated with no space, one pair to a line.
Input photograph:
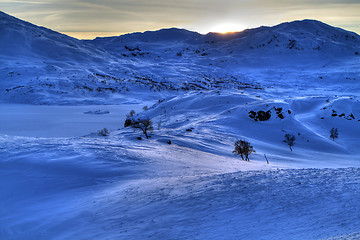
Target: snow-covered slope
[118,187]
[39,65]
[22,40]
[218,119]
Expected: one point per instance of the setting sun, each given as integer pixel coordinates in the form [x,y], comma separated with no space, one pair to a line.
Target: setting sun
[226,28]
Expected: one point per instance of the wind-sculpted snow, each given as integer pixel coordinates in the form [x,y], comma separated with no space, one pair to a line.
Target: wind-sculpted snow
[303,204]
[104,189]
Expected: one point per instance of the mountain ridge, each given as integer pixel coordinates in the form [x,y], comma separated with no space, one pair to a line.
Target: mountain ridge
[232,34]
[39,62]
[182,31]
[14,29]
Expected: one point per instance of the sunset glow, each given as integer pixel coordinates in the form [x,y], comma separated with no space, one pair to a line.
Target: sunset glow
[89,19]
[227,28]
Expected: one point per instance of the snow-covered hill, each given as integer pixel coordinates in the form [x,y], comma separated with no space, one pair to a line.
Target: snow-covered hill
[60,179]
[302,37]
[42,66]
[22,40]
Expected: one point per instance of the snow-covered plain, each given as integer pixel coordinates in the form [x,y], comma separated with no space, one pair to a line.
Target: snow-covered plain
[59,179]
[62,121]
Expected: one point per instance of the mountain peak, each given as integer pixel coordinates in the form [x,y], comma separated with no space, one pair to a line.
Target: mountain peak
[305,24]
[166,34]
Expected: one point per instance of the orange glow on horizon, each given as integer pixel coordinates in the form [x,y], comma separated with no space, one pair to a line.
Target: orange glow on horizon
[92,35]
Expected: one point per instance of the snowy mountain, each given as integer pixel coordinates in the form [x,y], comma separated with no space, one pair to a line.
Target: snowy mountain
[308,36]
[38,62]
[60,178]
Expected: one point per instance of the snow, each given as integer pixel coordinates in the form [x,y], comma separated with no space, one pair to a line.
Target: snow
[60,179]
[61,121]
[108,189]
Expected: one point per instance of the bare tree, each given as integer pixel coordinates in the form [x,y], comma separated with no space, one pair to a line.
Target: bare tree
[145,125]
[334,133]
[289,140]
[243,148]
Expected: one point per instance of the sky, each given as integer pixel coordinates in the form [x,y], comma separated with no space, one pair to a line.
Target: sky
[87,19]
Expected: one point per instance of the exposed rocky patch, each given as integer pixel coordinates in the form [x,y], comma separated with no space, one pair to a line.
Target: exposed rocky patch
[266,115]
[343,115]
[260,115]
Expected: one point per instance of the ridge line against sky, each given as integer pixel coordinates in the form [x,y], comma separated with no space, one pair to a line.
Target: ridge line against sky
[87,19]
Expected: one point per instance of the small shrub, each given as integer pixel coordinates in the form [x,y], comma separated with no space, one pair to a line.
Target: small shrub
[334,133]
[104,132]
[128,122]
[130,114]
